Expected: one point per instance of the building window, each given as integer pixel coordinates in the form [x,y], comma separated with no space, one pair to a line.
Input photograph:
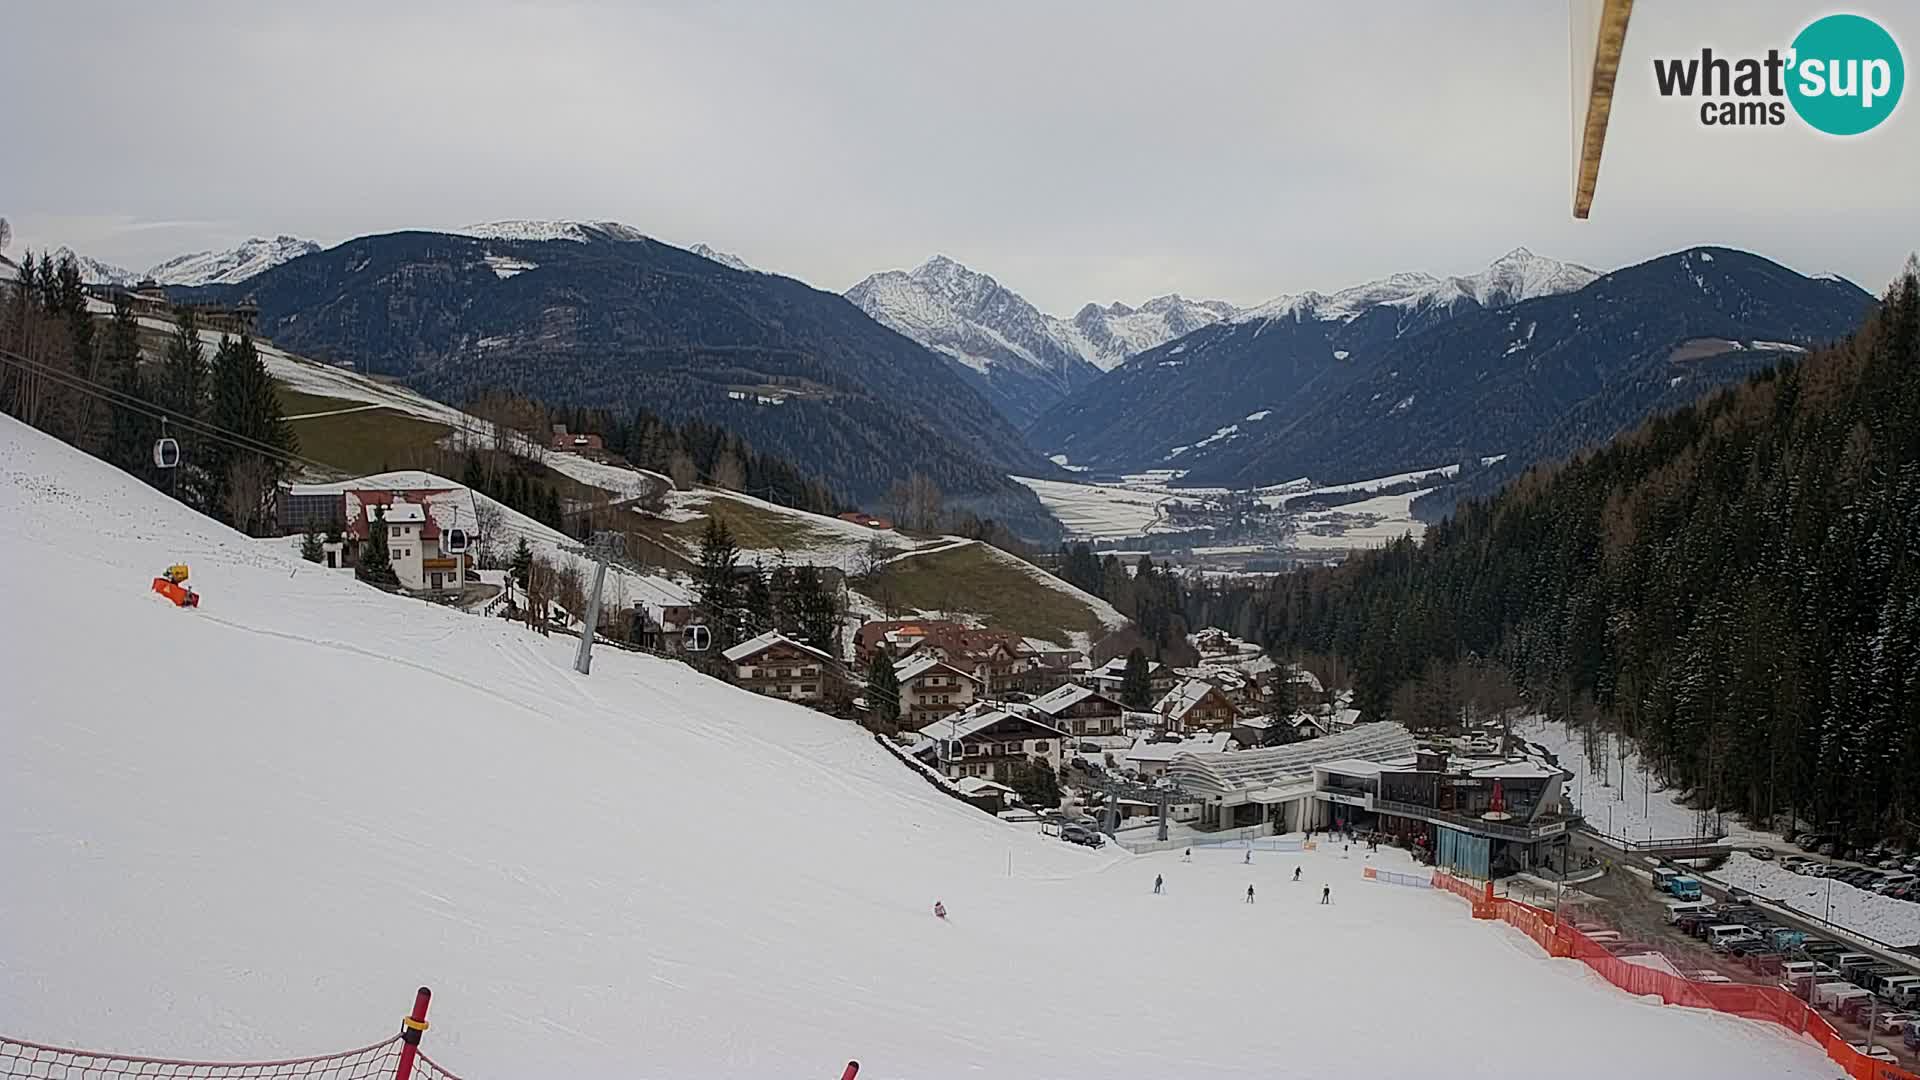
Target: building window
[975,749]
[1041,747]
[807,688]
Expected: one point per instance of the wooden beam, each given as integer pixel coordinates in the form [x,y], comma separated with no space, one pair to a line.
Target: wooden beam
[1599,105]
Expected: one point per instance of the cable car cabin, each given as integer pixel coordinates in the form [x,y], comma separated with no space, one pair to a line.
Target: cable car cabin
[166,453]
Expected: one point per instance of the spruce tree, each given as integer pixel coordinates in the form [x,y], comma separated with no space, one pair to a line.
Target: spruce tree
[310,546]
[182,392]
[1136,681]
[246,407]
[130,434]
[376,566]
[521,564]
[716,582]
[756,601]
[883,693]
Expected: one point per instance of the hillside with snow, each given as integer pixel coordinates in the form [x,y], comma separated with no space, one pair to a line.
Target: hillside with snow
[230,267]
[250,829]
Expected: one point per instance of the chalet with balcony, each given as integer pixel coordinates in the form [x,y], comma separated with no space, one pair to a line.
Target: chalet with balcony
[988,742]
[931,688]
[1080,710]
[780,667]
[1196,705]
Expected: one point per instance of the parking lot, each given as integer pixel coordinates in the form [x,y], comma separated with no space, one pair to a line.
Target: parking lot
[1624,902]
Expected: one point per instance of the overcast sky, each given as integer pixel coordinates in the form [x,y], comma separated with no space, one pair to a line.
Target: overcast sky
[1077,151]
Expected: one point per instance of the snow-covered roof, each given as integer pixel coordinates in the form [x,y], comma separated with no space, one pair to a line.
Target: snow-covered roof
[975,785]
[1354,767]
[755,645]
[1061,698]
[920,663]
[1181,700]
[978,719]
[1516,770]
[405,513]
[1145,751]
[1346,717]
[1248,769]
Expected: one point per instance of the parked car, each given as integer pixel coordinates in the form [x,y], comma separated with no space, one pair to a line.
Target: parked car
[1896,880]
[1892,1023]
[1080,834]
[1761,852]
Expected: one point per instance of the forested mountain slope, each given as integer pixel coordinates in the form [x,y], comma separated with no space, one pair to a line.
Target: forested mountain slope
[615,321]
[1736,583]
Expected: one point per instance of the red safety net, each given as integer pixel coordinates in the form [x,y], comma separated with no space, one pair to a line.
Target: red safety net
[22,1059]
[1769,1003]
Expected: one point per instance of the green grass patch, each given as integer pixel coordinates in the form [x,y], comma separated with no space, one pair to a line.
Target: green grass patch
[368,441]
[752,527]
[990,585]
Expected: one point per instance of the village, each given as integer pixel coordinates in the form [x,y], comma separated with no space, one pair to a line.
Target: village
[1093,745]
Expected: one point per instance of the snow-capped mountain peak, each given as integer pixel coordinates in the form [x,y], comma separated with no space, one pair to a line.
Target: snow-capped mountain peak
[724,258]
[1518,275]
[942,301]
[95,272]
[579,232]
[252,256]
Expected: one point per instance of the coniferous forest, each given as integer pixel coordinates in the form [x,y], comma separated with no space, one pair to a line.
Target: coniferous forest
[1735,584]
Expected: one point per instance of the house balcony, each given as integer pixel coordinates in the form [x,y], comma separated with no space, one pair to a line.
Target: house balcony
[448,565]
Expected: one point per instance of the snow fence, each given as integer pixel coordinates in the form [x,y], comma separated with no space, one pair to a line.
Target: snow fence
[1768,1003]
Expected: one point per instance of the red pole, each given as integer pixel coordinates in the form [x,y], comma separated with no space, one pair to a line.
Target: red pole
[410,1030]
[853,1070]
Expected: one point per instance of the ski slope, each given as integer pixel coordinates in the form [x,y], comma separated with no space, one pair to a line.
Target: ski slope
[251,829]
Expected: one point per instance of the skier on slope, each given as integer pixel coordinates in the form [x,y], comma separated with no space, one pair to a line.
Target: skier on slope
[1157,882]
[1296,873]
[1326,894]
[1188,857]
[939,910]
[1249,894]
[1249,859]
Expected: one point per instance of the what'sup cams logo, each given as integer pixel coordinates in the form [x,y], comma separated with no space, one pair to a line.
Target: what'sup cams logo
[1842,75]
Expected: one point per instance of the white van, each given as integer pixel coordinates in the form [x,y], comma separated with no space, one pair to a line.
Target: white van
[1727,933]
[1902,991]
[1895,880]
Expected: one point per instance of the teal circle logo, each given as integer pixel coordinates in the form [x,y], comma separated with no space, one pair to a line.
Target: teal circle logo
[1847,74]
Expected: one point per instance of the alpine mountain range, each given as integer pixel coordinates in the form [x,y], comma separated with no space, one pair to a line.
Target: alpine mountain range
[945,371]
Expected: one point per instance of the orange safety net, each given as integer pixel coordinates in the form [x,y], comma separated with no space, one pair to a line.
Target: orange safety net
[1768,1003]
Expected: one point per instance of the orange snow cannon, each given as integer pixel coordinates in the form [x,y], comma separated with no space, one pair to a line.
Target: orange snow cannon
[172,584]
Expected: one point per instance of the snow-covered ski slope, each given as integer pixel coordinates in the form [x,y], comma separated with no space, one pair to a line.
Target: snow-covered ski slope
[252,829]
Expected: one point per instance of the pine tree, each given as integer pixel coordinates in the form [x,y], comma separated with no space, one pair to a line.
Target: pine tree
[242,482]
[1136,686]
[375,566]
[310,546]
[716,582]
[182,392]
[883,693]
[521,564]
[130,434]
[756,601]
